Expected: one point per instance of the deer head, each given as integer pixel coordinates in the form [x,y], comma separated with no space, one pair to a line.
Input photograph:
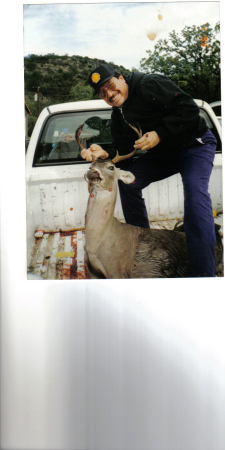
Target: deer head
[103,175]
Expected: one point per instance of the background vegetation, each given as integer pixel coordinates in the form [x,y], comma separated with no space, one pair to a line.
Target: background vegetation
[191,60]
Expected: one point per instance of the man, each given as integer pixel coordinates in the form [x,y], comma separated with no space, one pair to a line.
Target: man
[175,139]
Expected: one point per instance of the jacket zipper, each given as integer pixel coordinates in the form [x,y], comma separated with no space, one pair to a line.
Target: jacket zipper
[121,110]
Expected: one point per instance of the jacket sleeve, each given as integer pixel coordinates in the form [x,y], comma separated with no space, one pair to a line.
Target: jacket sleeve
[180,117]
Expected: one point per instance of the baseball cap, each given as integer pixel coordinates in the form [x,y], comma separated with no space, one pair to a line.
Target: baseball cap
[100,75]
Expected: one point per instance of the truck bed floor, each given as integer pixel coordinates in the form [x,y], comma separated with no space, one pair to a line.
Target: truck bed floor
[58,256]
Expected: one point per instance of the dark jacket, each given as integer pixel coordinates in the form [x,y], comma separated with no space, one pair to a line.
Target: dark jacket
[156,104]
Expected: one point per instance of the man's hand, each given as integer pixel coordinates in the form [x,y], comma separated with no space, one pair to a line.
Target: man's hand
[95,150]
[149,140]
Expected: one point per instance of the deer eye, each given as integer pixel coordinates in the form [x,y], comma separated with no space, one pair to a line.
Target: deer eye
[111,167]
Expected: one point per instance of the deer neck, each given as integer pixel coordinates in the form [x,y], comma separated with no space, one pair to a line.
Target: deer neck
[100,212]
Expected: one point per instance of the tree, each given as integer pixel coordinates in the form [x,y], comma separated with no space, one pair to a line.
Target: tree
[81,92]
[191,60]
[32,81]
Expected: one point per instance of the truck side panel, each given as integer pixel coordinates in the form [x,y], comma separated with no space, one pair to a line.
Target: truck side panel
[60,204]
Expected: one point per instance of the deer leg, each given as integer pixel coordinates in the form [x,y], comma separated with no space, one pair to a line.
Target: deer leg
[95,274]
[94,268]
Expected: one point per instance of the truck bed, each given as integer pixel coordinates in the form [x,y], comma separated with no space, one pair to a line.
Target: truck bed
[60,255]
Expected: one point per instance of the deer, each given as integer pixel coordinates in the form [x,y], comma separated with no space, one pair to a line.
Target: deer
[117,250]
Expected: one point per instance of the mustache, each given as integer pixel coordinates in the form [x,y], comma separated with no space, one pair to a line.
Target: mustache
[112,96]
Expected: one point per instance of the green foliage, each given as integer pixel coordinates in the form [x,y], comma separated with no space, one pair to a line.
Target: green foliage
[31,122]
[102,126]
[191,60]
[81,92]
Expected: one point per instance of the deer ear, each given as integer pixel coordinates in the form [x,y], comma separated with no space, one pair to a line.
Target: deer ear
[93,157]
[126,177]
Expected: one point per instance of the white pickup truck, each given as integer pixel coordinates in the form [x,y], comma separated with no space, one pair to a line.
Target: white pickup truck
[57,192]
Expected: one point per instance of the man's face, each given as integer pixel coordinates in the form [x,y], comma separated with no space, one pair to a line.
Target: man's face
[114,91]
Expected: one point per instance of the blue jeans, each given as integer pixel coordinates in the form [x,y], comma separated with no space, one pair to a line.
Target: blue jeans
[194,163]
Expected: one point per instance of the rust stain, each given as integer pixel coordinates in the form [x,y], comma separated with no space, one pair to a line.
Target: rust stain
[66,271]
[81,273]
[73,271]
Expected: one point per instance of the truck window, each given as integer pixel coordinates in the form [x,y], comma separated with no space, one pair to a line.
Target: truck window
[57,143]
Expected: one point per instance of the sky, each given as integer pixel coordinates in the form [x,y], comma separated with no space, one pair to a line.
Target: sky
[115,32]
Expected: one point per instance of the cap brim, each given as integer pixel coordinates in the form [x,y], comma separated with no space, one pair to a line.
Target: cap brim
[103,82]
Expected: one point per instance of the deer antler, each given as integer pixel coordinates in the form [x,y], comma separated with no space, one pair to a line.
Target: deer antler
[123,157]
[77,136]
[117,157]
